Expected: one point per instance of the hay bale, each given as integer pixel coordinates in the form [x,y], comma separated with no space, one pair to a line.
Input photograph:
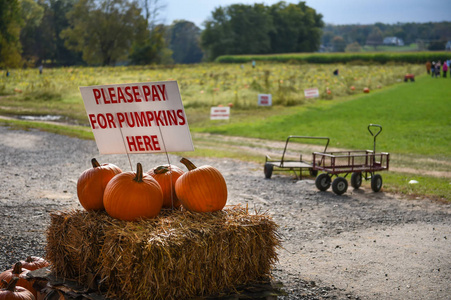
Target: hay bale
[177,255]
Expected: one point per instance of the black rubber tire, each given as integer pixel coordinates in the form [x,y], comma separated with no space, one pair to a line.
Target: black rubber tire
[339,185]
[356,180]
[322,182]
[376,183]
[268,170]
[313,173]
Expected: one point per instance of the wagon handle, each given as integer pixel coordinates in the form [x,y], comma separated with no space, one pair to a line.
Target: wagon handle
[374,135]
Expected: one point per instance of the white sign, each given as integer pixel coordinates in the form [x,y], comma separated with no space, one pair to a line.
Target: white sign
[311,93]
[220,113]
[264,99]
[137,117]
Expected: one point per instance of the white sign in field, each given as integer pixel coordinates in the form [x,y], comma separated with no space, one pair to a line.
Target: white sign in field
[137,117]
[264,99]
[311,93]
[219,113]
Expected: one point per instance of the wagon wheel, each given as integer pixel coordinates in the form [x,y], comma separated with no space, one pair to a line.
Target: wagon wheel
[312,172]
[339,185]
[356,180]
[268,170]
[322,182]
[376,183]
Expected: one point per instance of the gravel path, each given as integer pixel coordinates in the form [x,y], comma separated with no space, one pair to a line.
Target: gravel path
[361,245]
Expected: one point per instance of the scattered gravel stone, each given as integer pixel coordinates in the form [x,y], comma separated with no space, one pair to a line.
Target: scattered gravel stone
[361,245]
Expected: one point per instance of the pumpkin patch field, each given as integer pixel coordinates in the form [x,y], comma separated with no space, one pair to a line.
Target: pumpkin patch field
[202,85]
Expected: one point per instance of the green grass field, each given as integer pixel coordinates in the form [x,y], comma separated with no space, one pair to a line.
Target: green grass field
[415,116]
[416,122]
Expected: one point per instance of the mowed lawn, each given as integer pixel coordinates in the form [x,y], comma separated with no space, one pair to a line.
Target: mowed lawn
[415,117]
[416,130]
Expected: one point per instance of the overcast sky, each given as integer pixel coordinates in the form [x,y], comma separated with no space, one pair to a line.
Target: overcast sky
[333,11]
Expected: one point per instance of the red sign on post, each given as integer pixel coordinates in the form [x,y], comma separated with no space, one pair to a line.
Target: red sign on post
[137,117]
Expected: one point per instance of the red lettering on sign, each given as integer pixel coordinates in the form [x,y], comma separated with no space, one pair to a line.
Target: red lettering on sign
[162,89]
[129,94]
[139,119]
[110,119]
[120,96]
[135,90]
[96,95]
[130,121]
[112,94]
[181,117]
[120,118]
[147,92]
[143,143]
[155,95]
[92,120]
[104,98]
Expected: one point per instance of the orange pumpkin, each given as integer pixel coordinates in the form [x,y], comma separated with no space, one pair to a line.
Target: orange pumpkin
[34,262]
[92,182]
[201,189]
[21,273]
[130,196]
[12,291]
[167,176]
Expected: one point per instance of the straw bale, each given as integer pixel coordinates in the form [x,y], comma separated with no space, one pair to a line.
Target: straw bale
[177,255]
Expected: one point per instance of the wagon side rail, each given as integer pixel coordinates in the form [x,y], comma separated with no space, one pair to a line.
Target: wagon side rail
[350,161]
[284,159]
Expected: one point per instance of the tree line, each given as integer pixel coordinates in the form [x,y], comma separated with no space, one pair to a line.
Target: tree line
[427,36]
[111,32]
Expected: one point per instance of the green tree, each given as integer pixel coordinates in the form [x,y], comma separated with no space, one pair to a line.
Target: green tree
[151,48]
[32,14]
[10,26]
[338,44]
[258,29]
[217,37]
[51,43]
[375,38]
[104,30]
[298,28]
[251,26]
[183,39]
[353,47]
[237,29]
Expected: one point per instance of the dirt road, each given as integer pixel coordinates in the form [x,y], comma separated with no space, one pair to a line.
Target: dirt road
[361,245]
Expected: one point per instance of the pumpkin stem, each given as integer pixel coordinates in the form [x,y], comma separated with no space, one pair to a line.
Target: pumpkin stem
[139,173]
[161,170]
[188,164]
[12,284]
[95,163]
[17,269]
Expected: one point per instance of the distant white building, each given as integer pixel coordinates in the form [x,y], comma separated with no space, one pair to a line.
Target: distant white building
[393,41]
